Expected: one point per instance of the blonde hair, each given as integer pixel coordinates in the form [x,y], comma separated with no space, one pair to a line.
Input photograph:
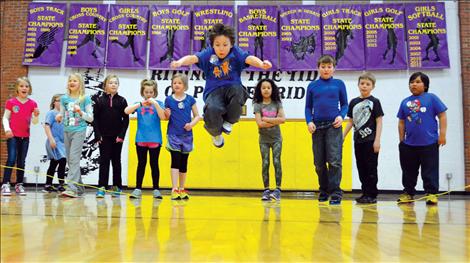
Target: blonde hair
[51,106]
[80,81]
[107,79]
[183,78]
[148,82]
[24,79]
[367,76]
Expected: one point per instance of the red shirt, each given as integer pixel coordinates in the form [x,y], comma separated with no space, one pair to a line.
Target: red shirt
[20,118]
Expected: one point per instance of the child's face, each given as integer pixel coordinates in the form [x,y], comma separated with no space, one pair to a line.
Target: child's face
[417,86]
[326,70]
[57,103]
[222,46]
[73,84]
[23,89]
[365,87]
[266,90]
[178,86]
[112,86]
[148,92]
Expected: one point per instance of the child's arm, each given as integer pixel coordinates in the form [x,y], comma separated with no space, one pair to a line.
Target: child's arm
[280,119]
[132,108]
[261,123]
[308,112]
[160,110]
[87,115]
[343,101]
[6,123]
[35,119]
[378,133]
[125,125]
[60,115]
[401,129]
[256,62]
[196,118]
[442,128]
[48,131]
[348,127]
[184,61]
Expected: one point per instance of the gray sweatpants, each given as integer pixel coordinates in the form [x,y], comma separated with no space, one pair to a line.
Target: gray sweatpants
[73,147]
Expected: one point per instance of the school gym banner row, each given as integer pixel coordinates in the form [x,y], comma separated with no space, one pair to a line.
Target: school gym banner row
[375,36]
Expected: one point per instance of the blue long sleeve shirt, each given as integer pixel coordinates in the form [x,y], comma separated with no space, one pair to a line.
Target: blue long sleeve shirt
[326,100]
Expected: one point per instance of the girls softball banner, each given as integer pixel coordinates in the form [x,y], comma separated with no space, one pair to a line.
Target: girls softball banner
[343,36]
[300,37]
[427,35]
[127,36]
[257,32]
[86,44]
[44,34]
[384,27]
[204,17]
[170,35]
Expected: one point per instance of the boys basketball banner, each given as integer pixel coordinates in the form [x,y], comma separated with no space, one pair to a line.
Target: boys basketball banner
[343,36]
[44,34]
[127,36]
[257,33]
[384,27]
[86,44]
[204,17]
[170,34]
[427,35]
[300,37]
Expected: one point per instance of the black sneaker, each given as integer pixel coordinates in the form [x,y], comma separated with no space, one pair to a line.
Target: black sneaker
[366,200]
[335,200]
[49,189]
[61,188]
[360,199]
[323,197]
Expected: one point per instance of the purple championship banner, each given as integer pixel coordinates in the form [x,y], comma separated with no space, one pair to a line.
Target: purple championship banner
[427,35]
[343,36]
[258,33]
[86,44]
[170,34]
[204,17]
[384,26]
[44,34]
[300,37]
[127,36]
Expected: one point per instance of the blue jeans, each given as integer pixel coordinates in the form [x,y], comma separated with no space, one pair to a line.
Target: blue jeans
[327,145]
[17,148]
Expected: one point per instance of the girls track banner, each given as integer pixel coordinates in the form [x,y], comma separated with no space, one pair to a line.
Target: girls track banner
[343,35]
[384,27]
[44,34]
[204,17]
[86,44]
[127,37]
[170,35]
[257,33]
[427,35]
[300,29]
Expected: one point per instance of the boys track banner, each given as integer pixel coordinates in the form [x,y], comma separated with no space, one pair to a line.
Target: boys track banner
[44,34]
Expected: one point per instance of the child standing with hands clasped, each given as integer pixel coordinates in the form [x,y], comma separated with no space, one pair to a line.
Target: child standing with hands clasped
[179,133]
[420,138]
[75,111]
[148,138]
[20,111]
[365,114]
[224,94]
[269,113]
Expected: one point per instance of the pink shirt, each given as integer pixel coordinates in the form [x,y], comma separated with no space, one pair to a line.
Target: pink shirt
[20,117]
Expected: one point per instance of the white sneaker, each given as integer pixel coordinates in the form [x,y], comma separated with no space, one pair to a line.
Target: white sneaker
[20,189]
[218,141]
[6,189]
[227,127]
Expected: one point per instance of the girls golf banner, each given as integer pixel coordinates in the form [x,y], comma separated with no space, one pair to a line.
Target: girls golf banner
[170,35]
[127,37]
[44,34]
[384,27]
[427,35]
[343,36]
[86,44]
[300,37]
[257,32]
[204,17]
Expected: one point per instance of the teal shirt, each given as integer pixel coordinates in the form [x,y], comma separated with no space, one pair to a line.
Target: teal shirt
[72,121]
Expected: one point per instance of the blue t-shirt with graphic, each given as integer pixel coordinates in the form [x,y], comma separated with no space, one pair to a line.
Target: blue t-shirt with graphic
[73,122]
[180,114]
[57,131]
[223,72]
[419,114]
[148,124]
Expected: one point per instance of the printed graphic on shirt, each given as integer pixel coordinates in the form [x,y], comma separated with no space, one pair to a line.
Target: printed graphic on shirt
[265,112]
[15,109]
[221,70]
[71,119]
[361,114]
[415,108]
[146,110]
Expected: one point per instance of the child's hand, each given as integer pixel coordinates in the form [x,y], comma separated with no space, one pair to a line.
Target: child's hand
[36,112]
[76,108]
[52,143]
[58,118]
[338,121]
[266,64]
[9,134]
[442,140]
[188,126]
[311,127]
[167,113]
[146,103]
[376,146]
[175,64]
[119,140]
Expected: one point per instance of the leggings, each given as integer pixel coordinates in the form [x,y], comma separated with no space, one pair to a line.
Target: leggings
[277,149]
[142,162]
[60,171]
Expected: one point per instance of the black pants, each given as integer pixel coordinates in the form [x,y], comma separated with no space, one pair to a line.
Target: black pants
[142,163]
[366,162]
[414,157]
[60,171]
[179,161]
[223,104]
[110,151]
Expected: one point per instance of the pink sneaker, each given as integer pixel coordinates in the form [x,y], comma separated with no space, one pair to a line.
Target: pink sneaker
[20,189]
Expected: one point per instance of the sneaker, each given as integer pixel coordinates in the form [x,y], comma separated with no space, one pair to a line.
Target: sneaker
[266,195]
[49,189]
[227,127]
[366,200]
[137,194]
[276,194]
[360,199]
[184,194]
[116,192]
[157,194]
[61,188]
[69,193]
[431,199]
[100,193]
[335,200]
[405,198]
[218,141]
[175,195]
[323,197]
[20,189]
[6,189]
